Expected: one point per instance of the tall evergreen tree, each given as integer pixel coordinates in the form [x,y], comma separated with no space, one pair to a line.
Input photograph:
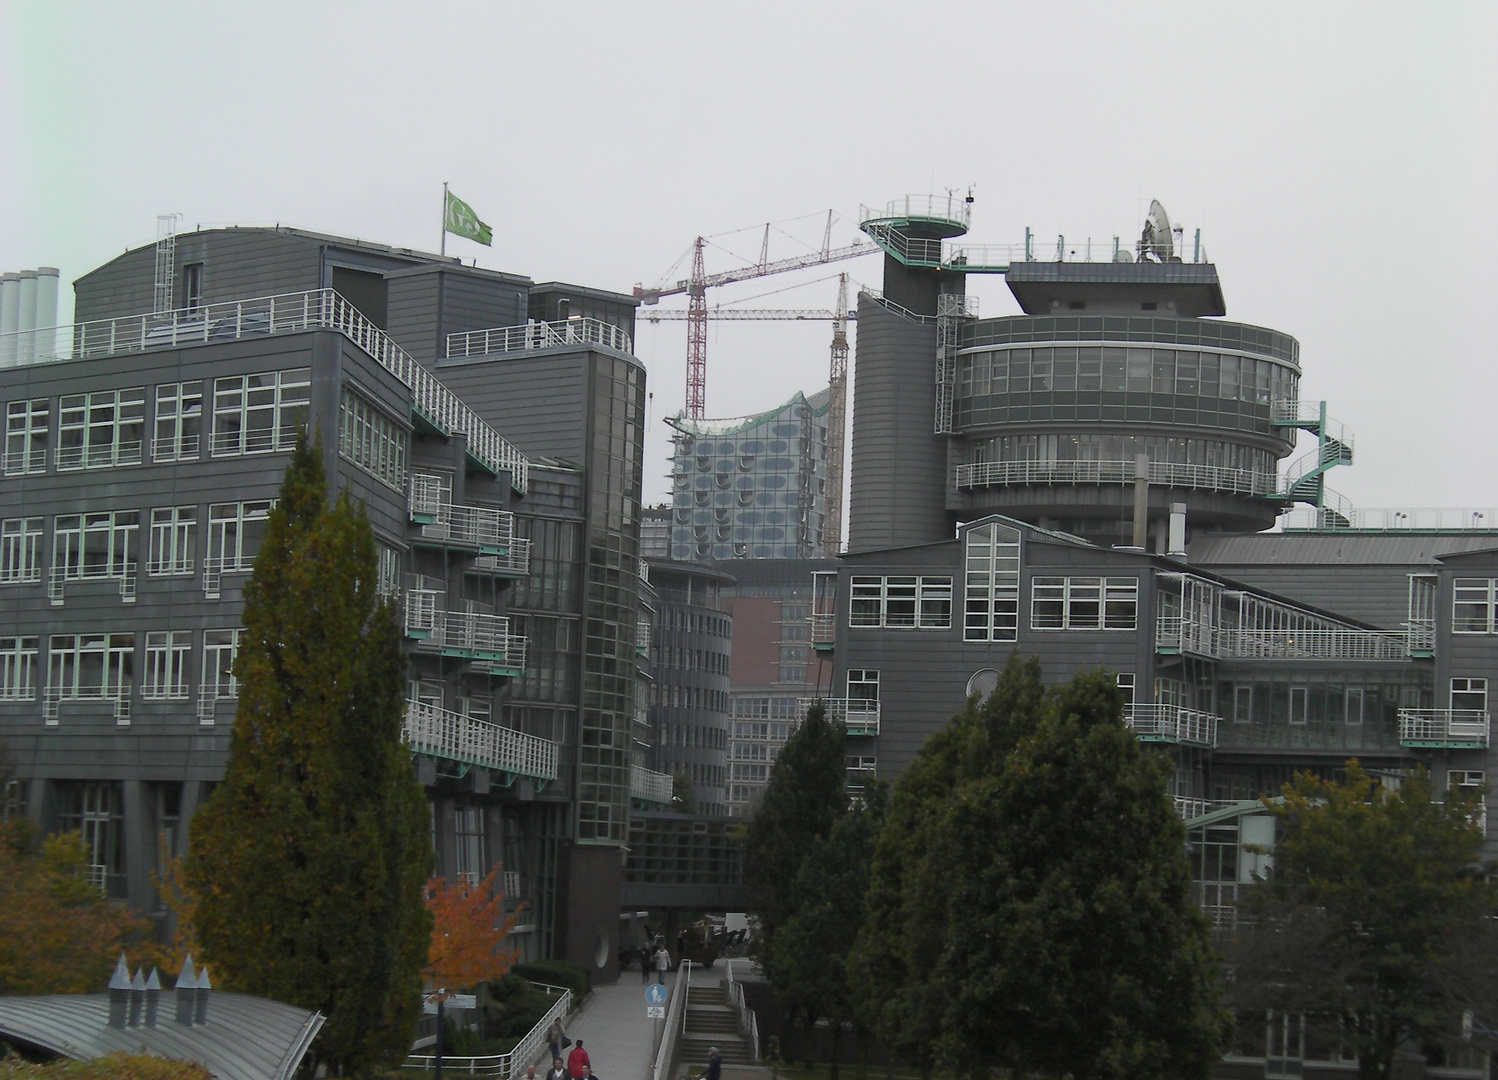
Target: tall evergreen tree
[804,799]
[310,860]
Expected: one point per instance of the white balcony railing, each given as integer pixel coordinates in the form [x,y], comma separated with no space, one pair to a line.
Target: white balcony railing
[471,634]
[285,313]
[823,627]
[1172,724]
[1189,807]
[1313,644]
[117,698]
[59,576]
[1454,728]
[981,474]
[452,736]
[861,717]
[649,785]
[429,501]
[539,335]
[516,561]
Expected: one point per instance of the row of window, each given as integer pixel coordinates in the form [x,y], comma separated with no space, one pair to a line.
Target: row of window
[1137,370]
[371,440]
[252,414]
[1056,603]
[1474,606]
[103,666]
[1103,446]
[106,544]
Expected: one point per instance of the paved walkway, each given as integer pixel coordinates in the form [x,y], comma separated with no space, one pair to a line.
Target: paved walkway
[620,1040]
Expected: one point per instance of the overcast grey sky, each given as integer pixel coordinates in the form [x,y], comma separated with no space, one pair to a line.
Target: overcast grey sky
[1341,161]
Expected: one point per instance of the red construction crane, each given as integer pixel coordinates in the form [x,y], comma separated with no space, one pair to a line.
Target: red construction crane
[696,286]
[837,385]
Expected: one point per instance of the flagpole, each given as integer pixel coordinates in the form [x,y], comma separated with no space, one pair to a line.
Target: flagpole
[444,217]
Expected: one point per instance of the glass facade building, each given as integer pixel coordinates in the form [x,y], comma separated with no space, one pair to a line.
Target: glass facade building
[753,487]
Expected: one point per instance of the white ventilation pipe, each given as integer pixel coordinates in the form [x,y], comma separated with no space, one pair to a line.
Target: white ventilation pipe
[46,311]
[26,318]
[1177,539]
[10,311]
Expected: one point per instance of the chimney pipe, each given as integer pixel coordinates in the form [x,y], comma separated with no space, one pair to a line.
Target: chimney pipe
[1141,498]
[137,996]
[119,994]
[186,992]
[153,998]
[26,318]
[1177,545]
[46,311]
[10,315]
[204,984]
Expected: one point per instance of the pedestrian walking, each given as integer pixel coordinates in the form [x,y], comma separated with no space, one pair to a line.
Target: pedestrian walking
[556,1038]
[577,1061]
[662,964]
[644,963]
[558,1071]
[714,1070]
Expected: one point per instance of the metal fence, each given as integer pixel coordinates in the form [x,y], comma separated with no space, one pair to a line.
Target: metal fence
[539,335]
[508,1065]
[455,737]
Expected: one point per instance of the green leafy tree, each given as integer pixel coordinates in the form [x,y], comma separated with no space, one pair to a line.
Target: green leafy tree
[1376,921]
[683,795]
[809,967]
[308,864]
[893,964]
[1029,904]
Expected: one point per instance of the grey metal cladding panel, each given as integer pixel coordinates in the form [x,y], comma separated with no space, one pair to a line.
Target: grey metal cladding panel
[242,263]
[123,286]
[538,404]
[475,303]
[898,482]
[1334,548]
[411,314]
[1369,593]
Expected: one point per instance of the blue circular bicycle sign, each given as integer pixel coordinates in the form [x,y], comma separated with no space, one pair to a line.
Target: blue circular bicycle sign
[655,994]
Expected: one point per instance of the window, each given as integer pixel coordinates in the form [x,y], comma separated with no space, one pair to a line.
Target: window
[468,834]
[901,602]
[388,573]
[1125,681]
[101,429]
[91,666]
[179,421]
[1352,709]
[1469,694]
[97,812]
[1299,697]
[991,597]
[219,649]
[192,286]
[259,414]
[166,665]
[371,440]
[1083,603]
[20,550]
[1472,604]
[173,540]
[26,425]
[1243,704]
[18,668]
[234,533]
[863,685]
[103,545]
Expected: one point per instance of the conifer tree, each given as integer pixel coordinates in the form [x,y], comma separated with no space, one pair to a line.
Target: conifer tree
[309,862]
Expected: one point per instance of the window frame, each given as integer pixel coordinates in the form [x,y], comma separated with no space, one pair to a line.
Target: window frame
[1083,603]
[1479,594]
[101,428]
[18,665]
[900,602]
[245,401]
[168,659]
[21,550]
[173,415]
[27,425]
[172,550]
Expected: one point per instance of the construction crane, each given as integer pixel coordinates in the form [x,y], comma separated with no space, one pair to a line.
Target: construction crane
[696,286]
[837,386]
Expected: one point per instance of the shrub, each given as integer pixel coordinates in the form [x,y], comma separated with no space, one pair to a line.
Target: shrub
[574,977]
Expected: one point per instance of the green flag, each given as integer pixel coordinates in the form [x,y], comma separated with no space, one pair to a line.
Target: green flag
[462,221]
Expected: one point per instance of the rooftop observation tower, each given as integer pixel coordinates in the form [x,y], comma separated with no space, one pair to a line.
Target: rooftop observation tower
[1119,387]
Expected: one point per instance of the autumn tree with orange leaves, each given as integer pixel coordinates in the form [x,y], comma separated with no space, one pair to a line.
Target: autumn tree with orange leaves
[469,929]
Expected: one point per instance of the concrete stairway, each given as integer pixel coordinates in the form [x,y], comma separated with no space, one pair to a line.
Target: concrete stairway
[711,1022]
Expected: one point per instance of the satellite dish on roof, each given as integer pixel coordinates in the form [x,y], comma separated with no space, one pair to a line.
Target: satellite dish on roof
[1155,241]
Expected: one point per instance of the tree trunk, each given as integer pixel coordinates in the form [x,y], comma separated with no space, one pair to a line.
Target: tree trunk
[811,1039]
[837,1037]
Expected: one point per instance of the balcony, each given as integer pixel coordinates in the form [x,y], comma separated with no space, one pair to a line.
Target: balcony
[1444,729]
[982,474]
[1173,724]
[59,577]
[515,563]
[649,785]
[445,524]
[823,617]
[115,698]
[484,639]
[860,716]
[471,743]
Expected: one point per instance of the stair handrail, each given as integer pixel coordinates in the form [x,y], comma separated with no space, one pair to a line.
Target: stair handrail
[747,1017]
[513,1062]
[676,1018]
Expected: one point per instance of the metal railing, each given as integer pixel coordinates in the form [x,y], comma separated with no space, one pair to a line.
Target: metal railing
[539,335]
[860,716]
[1172,724]
[823,627]
[676,1018]
[748,1020]
[1312,644]
[429,502]
[287,313]
[118,698]
[517,560]
[442,733]
[59,576]
[1164,474]
[471,633]
[1444,727]
[649,785]
[1189,807]
[508,1065]
[1394,520]
[954,208]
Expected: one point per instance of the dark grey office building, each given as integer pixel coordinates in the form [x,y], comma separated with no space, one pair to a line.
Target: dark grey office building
[144,447]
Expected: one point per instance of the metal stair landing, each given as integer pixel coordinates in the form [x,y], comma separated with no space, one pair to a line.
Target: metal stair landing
[1305,481]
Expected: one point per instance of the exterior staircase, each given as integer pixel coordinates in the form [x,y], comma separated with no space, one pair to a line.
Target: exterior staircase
[1306,480]
[711,1022]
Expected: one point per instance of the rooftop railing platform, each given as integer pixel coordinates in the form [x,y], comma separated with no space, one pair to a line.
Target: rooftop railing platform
[1444,729]
[265,315]
[533,335]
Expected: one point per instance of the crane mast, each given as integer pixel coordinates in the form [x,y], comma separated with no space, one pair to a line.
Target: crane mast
[837,397]
[697,337]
